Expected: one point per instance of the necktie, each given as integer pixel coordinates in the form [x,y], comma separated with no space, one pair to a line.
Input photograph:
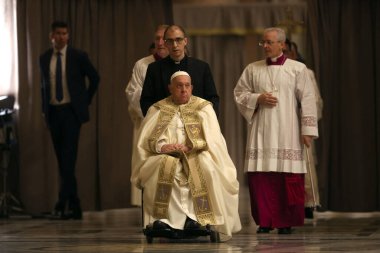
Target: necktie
[58,79]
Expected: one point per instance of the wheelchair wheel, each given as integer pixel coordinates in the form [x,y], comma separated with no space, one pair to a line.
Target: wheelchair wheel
[214,236]
[149,239]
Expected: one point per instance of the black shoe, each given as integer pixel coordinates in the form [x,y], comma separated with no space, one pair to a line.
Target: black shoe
[309,212]
[263,230]
[192,224]
[285,231]
[159,225]
[59,211]
[75,214]
[75,211]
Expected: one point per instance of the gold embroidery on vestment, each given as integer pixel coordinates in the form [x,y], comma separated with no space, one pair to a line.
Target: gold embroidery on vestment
[164,186]
[198,187]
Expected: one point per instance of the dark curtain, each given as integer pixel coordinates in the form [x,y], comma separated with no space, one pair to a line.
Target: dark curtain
[343,50]
[345,46]
[115,33]
[226,69]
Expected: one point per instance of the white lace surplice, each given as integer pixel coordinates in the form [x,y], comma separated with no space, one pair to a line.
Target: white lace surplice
[274,140]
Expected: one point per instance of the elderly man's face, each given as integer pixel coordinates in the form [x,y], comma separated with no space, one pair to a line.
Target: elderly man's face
[272,46]
[159,43]
[181,89]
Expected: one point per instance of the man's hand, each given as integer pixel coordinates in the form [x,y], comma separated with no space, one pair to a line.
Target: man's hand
[167,148]
[267,99]
[307,140]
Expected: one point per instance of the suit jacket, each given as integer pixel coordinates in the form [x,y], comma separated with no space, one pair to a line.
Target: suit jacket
[78,67]
[158,76]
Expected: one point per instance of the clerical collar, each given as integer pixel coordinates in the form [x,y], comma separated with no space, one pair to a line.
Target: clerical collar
[179,62]
[276,60]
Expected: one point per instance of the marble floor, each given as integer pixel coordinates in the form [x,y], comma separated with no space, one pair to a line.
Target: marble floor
[120,231]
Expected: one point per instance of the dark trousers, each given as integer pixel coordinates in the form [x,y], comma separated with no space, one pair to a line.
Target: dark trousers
[65,131]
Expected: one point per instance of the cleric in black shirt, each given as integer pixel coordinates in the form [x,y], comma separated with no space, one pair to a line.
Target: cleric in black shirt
[158,73]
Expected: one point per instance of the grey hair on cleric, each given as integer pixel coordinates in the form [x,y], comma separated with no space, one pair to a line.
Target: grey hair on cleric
[281,36]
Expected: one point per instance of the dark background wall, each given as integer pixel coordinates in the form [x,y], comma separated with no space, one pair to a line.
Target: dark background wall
[342,48]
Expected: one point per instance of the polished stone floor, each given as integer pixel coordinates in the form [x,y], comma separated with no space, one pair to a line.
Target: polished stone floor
[120,231]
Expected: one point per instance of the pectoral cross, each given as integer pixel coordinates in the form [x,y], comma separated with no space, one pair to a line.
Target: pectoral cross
[204,204]
[163,194]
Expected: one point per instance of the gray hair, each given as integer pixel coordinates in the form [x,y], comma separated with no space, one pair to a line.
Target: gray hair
[280,33]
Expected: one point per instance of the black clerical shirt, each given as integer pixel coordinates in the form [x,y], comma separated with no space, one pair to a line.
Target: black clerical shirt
[158,76]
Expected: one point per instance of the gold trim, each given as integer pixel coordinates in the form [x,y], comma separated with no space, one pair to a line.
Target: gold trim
[199,192]
[164,187]
[198,187]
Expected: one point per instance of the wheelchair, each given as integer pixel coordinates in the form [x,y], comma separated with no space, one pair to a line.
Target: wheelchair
[177,234]
[182,235]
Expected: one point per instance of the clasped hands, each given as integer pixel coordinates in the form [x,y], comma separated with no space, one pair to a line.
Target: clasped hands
[167,148]
[267,99]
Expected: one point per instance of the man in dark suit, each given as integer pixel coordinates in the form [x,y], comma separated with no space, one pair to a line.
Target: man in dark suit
[65,102]
[158,73]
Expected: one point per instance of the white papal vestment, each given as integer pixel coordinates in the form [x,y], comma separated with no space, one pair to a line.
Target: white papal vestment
[214,174]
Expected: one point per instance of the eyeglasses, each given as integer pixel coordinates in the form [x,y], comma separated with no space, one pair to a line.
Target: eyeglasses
[268,42]
[176,40]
